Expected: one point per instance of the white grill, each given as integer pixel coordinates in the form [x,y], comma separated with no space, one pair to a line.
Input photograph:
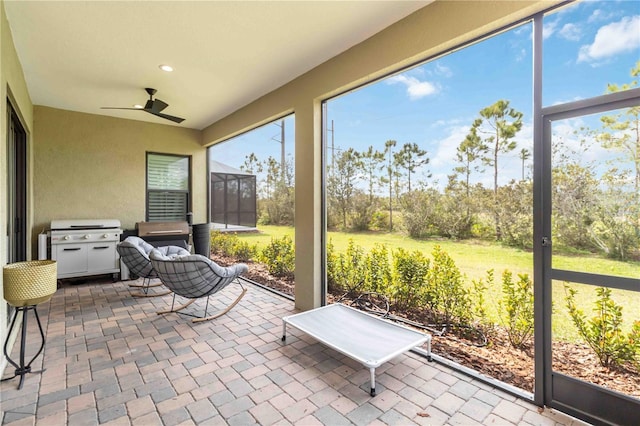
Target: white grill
[85,247]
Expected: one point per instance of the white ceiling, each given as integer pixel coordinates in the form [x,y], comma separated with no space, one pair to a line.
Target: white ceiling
[81,55]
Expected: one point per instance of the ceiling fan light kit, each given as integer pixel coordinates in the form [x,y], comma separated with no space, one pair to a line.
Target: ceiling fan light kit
[153,107]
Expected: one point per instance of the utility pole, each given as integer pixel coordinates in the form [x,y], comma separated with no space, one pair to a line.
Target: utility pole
[282,159]
[324,133]
[333,149]
[325,130]
[282,151]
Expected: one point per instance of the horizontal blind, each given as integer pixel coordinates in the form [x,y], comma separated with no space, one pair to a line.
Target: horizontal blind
[167,206]
[167,172]
[167,187]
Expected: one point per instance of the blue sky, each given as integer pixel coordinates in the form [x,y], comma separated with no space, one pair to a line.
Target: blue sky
[586,46]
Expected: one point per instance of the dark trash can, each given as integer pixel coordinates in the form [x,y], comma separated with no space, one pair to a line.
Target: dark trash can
[202,239]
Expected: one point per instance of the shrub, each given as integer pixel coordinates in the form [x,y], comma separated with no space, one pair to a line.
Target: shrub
[350,269]
[483,228]
[409,278]
[479,289]
[222,243]
[516,308]
[451,220]
[603,332]
[332,261]
[616,236]
[446,291]
[378,274]
[634,341]
[419,210]
[516,214]
[363,210]
[243,251]
[279,256]
[379,220]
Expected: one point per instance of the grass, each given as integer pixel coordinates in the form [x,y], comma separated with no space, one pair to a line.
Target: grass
[474,258]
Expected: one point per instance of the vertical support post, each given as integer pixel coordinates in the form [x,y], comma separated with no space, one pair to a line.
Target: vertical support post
[309,212]
[540,209]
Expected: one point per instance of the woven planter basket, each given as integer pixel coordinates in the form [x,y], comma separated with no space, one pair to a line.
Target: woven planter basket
[29,283]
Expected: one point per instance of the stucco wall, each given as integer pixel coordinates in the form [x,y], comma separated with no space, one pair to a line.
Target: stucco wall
[92,166]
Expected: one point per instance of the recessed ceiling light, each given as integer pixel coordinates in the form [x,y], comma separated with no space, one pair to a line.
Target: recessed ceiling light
[166,68]
[138,106]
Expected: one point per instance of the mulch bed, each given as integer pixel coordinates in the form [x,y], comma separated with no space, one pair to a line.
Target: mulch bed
[498,359]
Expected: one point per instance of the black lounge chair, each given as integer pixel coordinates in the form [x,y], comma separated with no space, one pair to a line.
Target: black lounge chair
[134,252]
[193,277]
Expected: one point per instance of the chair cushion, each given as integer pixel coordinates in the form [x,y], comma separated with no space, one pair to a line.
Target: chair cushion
[138,243]
[134,252]
[145,248]
[172,251]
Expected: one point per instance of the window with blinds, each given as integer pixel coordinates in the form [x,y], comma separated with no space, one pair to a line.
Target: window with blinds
[167,187]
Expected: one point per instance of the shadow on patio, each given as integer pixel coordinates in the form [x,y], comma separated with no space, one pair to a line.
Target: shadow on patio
[110,359]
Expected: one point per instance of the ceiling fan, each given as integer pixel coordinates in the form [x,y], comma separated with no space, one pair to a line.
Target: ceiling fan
[153,106]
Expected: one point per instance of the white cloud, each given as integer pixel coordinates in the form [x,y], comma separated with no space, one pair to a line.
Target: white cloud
[443,70]
[548,29]
[416,89]
[596,15]
[447,123]
[564,101]
[599,15]
[443,159]
[570,137]
[611,39]
[570,32]
[445,155]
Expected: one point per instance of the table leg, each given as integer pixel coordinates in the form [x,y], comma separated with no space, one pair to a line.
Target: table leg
[373,381]
[22,369]
[284,330]
[6,342]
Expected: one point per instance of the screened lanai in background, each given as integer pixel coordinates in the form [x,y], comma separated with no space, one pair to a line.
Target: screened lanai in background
[233,196]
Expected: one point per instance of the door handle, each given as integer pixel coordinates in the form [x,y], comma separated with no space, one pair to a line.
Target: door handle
[72,249]
[546,242]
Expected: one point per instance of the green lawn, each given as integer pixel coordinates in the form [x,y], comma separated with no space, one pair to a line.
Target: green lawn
[474,258]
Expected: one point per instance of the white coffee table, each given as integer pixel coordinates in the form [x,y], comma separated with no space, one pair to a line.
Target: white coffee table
[363,337]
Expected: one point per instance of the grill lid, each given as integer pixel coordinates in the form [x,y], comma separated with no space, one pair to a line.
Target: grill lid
[150,229]
[80,224]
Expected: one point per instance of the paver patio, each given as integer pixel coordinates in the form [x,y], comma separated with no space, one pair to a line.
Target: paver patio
[110,359]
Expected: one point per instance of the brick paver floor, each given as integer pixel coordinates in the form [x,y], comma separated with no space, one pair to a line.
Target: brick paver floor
[110,359]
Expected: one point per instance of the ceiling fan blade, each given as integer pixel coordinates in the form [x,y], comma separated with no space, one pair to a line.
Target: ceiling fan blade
[153,107]
[156,105]
[166,116]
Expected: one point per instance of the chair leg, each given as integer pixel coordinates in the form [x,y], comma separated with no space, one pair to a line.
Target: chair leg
[219,314]
[164,293]
[176,309]
[146,284]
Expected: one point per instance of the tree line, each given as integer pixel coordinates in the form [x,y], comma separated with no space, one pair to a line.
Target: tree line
[596,205]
